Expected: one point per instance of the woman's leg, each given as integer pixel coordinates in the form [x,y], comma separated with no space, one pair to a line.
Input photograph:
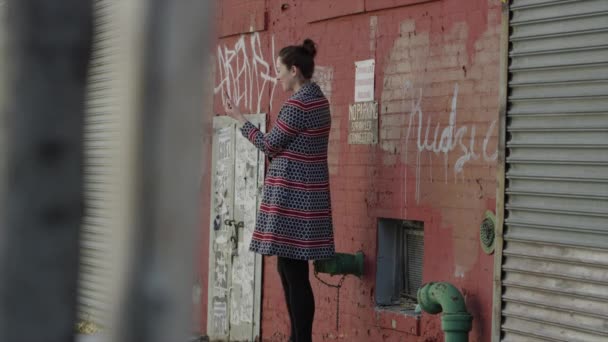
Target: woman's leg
[301,297]
[287,292]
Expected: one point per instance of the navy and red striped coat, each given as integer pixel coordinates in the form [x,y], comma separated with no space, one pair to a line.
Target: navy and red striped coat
[294,220]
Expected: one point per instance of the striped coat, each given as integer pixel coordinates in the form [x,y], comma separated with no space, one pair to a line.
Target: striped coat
[294,220]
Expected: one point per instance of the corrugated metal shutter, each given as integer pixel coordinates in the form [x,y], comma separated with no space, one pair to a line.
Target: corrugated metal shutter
[101,130]
[555,267]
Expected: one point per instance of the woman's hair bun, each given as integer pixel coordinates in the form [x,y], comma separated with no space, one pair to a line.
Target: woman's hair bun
[310,46]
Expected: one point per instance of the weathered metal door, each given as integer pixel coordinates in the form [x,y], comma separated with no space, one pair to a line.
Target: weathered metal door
[246,266]
[222,192]
[234,272]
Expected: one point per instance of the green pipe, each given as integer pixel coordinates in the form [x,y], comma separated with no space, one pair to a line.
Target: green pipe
[341,263]
[456,322]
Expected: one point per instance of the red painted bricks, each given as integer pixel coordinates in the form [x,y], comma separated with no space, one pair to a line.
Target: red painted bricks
[423,52]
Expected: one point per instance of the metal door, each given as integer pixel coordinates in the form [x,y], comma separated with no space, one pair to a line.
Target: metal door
[234,272]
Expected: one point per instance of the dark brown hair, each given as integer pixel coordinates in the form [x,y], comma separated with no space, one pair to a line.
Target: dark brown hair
[300,56]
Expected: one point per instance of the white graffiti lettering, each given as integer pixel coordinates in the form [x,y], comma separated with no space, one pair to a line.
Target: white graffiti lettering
[220,317]
[431,142]
[245,75]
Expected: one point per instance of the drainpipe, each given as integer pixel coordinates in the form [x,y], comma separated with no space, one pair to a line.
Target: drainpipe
[456,322]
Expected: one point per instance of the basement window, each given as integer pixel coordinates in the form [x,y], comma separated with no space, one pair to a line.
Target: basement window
[399,264]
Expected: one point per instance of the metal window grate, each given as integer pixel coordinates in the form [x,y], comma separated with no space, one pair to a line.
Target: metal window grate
[412,251]
[400,262]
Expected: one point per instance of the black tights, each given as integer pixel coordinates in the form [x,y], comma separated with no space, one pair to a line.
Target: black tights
[299,297]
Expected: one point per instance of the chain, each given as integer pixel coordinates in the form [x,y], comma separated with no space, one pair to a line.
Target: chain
[338,286]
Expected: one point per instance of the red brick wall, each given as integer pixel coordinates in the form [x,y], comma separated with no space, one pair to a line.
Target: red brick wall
[437,68]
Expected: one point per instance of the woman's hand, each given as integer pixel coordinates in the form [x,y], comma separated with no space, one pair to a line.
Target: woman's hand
[233,111]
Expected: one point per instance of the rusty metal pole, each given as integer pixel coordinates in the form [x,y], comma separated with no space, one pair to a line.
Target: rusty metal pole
[46,48]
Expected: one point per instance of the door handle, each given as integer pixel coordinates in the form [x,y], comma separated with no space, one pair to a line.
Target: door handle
[235,237]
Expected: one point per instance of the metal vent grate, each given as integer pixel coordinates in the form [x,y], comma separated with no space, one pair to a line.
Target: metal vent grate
[487,233]
[414,242]
[414,254]
[399,262]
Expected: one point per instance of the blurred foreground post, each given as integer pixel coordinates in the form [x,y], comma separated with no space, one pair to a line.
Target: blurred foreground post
[156,303]
[45,51]
[153,247]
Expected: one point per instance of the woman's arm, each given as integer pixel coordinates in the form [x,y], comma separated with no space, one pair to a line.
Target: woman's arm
[290,123]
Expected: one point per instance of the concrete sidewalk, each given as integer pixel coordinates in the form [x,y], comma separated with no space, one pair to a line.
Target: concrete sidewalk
[101,338]
[90,338]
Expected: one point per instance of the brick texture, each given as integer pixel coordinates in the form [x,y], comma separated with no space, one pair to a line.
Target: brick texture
[437,71]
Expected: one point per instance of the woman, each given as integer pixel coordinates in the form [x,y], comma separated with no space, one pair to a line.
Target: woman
[294,221]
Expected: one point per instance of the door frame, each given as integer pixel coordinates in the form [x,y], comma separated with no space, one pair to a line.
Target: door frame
[503,93]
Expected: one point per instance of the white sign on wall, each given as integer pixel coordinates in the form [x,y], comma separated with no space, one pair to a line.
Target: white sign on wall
[363,123]
[364,80]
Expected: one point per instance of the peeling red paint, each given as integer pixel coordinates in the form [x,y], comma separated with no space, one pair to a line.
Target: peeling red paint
[474,13]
